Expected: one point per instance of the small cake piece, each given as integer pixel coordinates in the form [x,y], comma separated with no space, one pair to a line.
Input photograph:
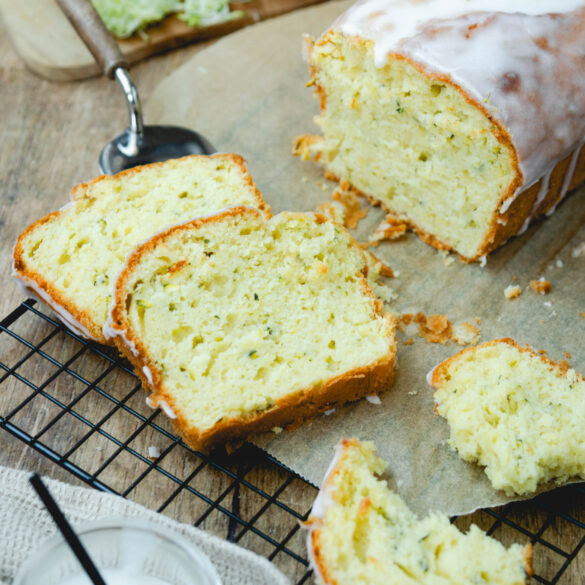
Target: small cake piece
[362,533]
[239,324]
[70,259]
[541,286]
[428,108]
[512,292]
[515,412]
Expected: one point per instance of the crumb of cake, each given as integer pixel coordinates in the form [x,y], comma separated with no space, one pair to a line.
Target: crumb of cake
[351,204]
[374,399]
[564,365]
[483,261]
[408,342]
[377,269]
[153,452]
[448,258]
[512,292]
[277,430]
[332,210]
[391,228]
[578,251]
[434,328]
[304,179]
[302,145]
[547,304]
[477,320]
[568,355]
[559,263]
[413,393]
[465,333]
[541,286]
[582,314]
[322,186]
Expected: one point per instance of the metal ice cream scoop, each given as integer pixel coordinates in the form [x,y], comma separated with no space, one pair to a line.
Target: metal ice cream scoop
[138,144]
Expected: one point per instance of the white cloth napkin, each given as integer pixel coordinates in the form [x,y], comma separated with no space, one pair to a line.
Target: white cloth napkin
[25,525]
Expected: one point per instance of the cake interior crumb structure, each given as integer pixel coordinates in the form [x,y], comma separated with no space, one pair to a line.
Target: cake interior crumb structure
[437,126]
[239,324]
[70,259]
[514,412]
[362,533]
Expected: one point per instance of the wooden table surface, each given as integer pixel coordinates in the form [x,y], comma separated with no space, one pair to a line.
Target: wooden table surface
[51,136]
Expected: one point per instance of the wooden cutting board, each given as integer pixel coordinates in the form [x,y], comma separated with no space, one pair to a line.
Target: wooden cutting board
[49,45]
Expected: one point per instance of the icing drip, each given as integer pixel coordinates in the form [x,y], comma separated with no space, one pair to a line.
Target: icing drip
[520,60]
[568,179]
[542,192]
[32,290]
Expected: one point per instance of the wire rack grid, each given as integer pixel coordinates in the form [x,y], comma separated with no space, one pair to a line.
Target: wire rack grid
[81,405]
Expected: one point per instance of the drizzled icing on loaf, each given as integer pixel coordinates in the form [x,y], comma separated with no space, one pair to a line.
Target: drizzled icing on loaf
[521,60]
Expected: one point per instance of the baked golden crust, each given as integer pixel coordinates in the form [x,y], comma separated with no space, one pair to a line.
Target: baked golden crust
[287,412]
[38,286]
[437,374]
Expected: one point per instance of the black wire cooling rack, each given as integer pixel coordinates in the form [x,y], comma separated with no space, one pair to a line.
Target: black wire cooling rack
[68,398]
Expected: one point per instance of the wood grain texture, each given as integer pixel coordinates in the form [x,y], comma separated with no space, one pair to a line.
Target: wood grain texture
[50,47]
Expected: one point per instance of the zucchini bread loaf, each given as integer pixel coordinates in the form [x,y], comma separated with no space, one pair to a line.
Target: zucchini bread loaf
[240,324]
[465,118]
[70,259]
[362,533]
[515,412]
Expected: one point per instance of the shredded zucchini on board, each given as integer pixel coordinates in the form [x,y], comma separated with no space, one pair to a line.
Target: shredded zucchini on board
[124,17]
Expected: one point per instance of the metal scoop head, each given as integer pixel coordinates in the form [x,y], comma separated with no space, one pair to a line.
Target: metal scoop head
[138,144]
[155,144]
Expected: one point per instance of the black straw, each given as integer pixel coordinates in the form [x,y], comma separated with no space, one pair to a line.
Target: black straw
[65,528]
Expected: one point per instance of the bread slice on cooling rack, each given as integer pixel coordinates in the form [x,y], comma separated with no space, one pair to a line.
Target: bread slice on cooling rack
[515,412]
[240,324]
[362,533]
[70,259]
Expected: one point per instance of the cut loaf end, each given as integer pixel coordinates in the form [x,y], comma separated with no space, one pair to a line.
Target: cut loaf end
[239,325]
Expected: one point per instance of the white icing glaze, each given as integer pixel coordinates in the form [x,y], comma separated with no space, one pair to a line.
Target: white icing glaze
[162,404]
[568,178]
[32,290]
[320,504]
[148,375]
[430,375]
[522,60]
[374,399]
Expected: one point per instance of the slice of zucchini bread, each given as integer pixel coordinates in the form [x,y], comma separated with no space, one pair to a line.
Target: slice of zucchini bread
[240,324]
[362,533]
[70,259]
[464,118]
[515,412]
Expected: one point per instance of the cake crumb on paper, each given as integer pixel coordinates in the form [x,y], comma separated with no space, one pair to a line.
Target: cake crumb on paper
[541,286]
[578,251]
[434,328]
[354,213]
[465,333]
[391,228]
[512,292]
[332,210]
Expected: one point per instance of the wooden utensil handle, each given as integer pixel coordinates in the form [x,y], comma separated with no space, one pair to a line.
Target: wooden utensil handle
[94,34]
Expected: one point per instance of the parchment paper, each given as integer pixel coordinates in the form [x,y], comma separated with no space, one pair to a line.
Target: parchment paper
[247,94]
